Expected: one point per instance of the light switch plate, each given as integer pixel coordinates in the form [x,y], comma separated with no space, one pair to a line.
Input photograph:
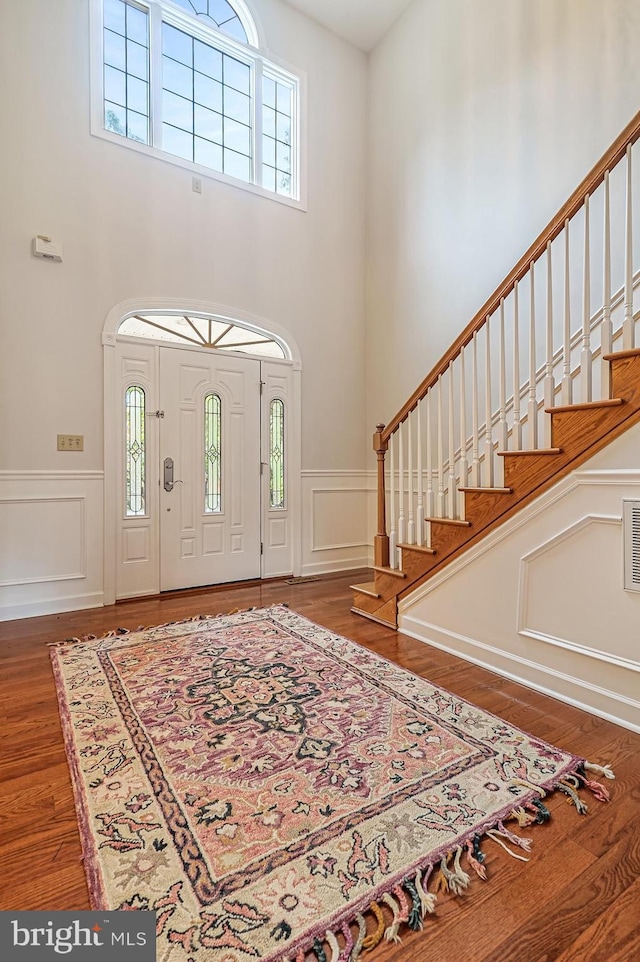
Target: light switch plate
[71,442]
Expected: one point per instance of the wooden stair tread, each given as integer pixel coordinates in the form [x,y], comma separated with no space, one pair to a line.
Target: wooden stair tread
[522,454]
[587,405]
[469,490]
[417,547]
[367,588]
[633,352]
[458,522]
[395,572]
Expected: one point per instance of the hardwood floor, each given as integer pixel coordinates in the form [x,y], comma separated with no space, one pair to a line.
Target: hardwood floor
[577,900]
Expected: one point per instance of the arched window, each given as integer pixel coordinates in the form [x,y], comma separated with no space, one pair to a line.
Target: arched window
[276,454]
[217,333]
[219,14]
[135,476]
[212,454]
[183,79]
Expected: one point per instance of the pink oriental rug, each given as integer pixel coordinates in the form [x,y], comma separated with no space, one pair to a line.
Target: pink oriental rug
[274,791]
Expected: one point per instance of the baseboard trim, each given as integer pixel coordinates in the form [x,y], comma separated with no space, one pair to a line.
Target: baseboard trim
[347,564]
[429,634]
[52,606]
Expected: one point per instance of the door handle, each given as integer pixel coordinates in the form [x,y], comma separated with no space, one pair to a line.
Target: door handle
[168,475]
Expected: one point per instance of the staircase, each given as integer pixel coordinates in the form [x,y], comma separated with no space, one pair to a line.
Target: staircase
[442,487]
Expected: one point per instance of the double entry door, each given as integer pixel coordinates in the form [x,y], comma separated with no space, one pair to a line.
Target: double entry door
[189,469]
[209,497]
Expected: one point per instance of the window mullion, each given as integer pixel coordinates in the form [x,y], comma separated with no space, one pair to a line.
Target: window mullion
[257,122]
[155,69]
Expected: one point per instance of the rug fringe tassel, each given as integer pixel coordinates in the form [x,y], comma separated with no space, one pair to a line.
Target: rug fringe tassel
[332,942]
[597,788]
[370,941]
[524,843]
[391,932]
[362,933]
[541,812]
[416,913]
[573,796]
[427,900]
[599,769]
[318,948]
[345,955]
[473,859]
[495,836]
[522,817]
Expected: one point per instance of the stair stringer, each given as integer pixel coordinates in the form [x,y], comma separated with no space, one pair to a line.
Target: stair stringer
[582,431]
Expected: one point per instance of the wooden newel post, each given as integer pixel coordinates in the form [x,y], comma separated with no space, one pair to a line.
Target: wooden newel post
[381,541]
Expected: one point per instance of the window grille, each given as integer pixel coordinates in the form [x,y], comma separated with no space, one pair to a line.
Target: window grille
[219,333]
[126,70]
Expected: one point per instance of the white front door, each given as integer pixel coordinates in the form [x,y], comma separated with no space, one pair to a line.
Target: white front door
[209,502]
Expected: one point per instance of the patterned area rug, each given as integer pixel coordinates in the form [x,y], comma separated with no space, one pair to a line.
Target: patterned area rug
[275,791]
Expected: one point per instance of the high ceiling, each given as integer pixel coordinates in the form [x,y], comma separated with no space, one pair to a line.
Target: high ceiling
[362,22]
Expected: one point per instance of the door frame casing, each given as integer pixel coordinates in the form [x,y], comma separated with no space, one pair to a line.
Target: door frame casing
[112,413]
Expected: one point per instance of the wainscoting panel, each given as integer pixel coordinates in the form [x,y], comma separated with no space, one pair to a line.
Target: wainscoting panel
[335,520]
[542,600]
[50,542]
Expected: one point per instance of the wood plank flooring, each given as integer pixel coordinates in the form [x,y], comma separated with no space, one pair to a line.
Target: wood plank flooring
[577,900]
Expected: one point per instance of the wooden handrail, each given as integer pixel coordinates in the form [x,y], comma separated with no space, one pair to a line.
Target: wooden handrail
[594,178]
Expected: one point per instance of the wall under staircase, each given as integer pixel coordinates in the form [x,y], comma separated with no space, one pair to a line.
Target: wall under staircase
[541,600]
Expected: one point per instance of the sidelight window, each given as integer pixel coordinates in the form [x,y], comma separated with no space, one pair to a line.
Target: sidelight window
[212,454]
[135,468]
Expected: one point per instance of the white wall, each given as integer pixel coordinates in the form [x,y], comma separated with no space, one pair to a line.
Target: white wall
[130,226]
[483,117]
[543,594]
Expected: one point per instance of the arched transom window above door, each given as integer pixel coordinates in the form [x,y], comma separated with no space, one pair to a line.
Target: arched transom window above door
[211,332]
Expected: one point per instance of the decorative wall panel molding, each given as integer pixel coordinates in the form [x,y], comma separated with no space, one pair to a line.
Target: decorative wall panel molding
[51,536]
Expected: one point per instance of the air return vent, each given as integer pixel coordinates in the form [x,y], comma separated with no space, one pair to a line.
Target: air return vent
[631,519]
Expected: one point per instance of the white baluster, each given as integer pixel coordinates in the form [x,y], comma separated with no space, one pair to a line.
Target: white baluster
[567,387]
[503,432]
[420,505]
[549,382]
[430,507]
[411,526]
[586,357]
[441,475]
[628,327]
[475,441]
[516,434]
[488,432]
[393,541]
[464,464]
[401,532]
[606,338]
[452,492]
[532,409]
